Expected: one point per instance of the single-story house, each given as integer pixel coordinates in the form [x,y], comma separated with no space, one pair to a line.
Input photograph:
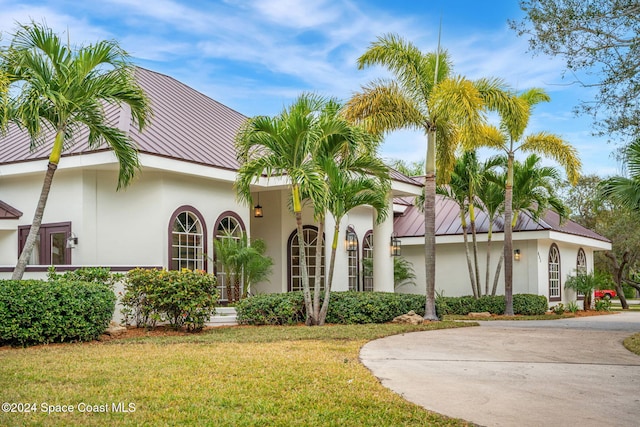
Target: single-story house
[183,198]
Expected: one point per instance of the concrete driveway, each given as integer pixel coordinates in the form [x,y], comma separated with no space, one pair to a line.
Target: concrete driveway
[572,372]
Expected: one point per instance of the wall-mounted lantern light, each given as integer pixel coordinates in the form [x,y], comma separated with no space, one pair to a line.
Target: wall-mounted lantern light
[516,254]
[396,245]
[72,241]
[351,240]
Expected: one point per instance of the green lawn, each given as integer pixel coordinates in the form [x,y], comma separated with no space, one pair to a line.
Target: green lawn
[238,376]
[633,304]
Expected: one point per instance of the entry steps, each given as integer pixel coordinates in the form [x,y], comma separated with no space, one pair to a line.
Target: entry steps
[224,316]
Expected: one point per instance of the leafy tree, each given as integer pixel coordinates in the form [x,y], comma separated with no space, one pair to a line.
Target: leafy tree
[599,38]
[408,168]
[510,139]
[424,96]
[61,92]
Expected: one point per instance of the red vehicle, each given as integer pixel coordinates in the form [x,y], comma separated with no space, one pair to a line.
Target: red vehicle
[604,293]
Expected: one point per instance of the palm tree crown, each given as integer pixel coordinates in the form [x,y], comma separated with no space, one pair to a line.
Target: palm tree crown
[63,91]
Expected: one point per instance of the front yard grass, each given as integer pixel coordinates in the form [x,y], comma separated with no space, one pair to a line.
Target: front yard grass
[633,343]
[236,376]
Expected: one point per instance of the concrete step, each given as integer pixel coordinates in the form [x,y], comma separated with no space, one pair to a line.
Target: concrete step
[224,316]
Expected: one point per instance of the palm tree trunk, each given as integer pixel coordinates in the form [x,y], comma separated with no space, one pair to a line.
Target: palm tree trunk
[21,266]
[318,277]
[495,279]
[430,227]
[508,242]
[472,219]
[306,292]
[332,263]
[465,237]
[487,273]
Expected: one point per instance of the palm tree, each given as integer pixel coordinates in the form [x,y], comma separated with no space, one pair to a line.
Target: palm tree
[625,191]
[510,139]
[63,91]
[491,198]
[353,181]
[534,189]
[283,146]
[424,96]
[458,190]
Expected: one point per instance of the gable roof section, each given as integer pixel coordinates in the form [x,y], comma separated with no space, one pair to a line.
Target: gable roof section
[186,125]
[411,223]
[8,211]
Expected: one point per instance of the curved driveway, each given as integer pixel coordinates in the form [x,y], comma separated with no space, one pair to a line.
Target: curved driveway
[572,372]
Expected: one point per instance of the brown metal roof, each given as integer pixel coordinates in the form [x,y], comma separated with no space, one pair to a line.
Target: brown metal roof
[186,125]
[411,223]
[9,212]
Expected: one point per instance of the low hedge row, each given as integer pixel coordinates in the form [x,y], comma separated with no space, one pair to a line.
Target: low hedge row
[525,304]
[375,307]
[38,312]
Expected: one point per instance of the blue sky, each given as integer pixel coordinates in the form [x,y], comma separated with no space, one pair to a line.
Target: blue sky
[256,56]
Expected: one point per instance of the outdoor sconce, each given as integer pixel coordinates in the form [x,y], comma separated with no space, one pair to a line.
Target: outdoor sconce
[516,254]
[351,241]
[257,209]
[72,241]
[396,245]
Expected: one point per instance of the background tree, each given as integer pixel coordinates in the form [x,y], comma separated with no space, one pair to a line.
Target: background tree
[58,91]
[424,95]
[510,139]
[600,44]
[407,168]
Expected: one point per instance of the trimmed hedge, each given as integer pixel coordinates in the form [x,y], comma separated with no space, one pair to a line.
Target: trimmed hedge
[375,307]
[38,312]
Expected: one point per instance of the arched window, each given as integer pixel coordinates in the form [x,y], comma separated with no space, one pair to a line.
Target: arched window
[367,261]
[581,262]
[554,274]
[352,258]
[310,234]
[581,267]
[187,239]
[229,225]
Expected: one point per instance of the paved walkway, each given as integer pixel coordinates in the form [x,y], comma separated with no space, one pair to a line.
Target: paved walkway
[572,372]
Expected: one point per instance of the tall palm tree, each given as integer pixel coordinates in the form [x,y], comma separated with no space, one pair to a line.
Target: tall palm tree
[282,146]
[510,139]
[491,198]
[424,96]
[353,181]
[458,189]
[62,91]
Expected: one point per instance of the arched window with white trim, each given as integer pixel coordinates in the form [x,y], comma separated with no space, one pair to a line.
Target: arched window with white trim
[554,274]
[367,262]
[310,235]
[187,236]
[352,261]
[229,225]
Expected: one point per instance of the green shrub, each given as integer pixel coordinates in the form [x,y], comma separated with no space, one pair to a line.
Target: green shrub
[374,307]
[182,298]
[37,312]
[558,309]
[603,304]
[572,307]
[371,307]
[271,309]
[530,304]
[89,274]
